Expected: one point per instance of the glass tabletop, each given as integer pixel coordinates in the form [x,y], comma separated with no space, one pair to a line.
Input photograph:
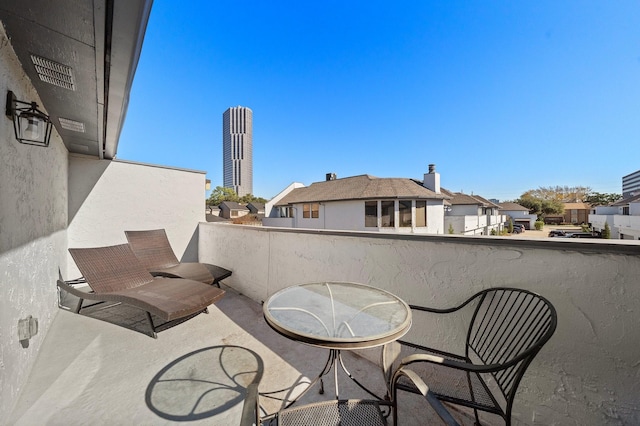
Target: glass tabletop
[338,315]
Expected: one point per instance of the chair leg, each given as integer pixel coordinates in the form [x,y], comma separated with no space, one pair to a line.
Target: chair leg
[477,423]
[79,306]
[153,328]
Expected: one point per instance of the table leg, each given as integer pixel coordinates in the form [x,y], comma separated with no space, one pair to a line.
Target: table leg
[344,368]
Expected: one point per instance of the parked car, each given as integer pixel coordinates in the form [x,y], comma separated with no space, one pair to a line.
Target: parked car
[583,235]
[557,233]
[517,227]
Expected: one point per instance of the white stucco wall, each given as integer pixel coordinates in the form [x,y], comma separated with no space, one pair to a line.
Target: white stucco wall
[466,210]
[586,375]
[108,197]
[33,219]
[628,226]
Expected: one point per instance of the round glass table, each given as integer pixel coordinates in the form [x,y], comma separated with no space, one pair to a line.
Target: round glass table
[337,316]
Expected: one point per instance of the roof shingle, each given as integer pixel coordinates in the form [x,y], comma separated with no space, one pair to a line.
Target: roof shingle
[359,188]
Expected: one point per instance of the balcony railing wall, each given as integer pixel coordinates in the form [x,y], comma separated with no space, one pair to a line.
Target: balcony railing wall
[587,373]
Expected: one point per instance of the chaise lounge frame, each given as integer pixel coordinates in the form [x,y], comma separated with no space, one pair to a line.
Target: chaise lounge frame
[154,251]
[114,274]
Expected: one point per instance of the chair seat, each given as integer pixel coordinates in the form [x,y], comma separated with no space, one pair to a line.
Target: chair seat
[169,299]
[333,413]
[450,384]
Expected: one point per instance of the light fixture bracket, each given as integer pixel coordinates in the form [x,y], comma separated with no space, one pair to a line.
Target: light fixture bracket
[30,125]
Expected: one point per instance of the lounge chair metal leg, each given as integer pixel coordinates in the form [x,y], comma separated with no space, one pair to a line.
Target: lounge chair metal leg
[153,328]
[79,306]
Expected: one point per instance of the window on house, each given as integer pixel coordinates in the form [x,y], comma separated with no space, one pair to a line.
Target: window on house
[234,213]
[388,214]
[286,211]
[421,213]
[311,210]
[371,214]
[404,213]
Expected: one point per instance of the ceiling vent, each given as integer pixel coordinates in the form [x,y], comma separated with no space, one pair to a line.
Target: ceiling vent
[74,126]
[54,73]
[79,147]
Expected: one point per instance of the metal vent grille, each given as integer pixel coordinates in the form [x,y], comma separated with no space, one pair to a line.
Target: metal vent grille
[54,73]
[72,125]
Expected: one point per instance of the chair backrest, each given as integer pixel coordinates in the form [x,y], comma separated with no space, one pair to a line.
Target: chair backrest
[152,248]
[109,269]
[508,328]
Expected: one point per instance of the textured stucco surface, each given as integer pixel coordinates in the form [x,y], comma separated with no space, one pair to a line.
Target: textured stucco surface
[586,375]
[108,197]
[33,218]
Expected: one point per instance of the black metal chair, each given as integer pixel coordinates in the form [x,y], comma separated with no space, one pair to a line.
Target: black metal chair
[345,412]
[508,327]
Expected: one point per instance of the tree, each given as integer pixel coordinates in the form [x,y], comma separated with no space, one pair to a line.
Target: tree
[541,206]
[606,232]
[562,194]
[221,194]
[250,198]
[550,207]
[601,199]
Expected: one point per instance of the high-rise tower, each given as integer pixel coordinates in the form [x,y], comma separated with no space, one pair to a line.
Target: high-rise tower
[237,149]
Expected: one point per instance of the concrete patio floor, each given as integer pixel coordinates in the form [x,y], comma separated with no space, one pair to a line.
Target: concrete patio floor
[92,371]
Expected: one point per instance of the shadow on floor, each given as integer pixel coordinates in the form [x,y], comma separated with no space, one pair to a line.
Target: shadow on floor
[204,383]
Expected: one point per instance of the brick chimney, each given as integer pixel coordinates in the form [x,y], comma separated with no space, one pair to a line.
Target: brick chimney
[432,179]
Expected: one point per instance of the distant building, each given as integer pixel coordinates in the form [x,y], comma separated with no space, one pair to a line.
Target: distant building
[237,149]
[256,208]
[471,214]
[361,203]
[631,185]
[232,210]
[519,214]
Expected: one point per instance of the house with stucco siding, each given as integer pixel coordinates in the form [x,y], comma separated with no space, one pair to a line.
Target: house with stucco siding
[363,203]
[471,214]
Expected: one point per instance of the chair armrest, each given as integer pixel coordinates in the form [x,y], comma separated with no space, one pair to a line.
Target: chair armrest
[422,387]
[434,310]
[444,311]
[433,359]
[250,409]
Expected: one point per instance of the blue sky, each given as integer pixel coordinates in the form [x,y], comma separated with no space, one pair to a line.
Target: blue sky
[502,96]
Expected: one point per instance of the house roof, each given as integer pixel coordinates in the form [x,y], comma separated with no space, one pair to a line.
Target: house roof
[458,198]
[577,206]
[360,188]
[257,206]
[512,207]
[232,205]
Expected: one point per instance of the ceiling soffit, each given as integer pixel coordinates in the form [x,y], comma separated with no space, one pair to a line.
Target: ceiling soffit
[89,51]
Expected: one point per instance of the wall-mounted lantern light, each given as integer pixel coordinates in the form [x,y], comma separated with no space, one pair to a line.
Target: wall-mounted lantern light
[31,126]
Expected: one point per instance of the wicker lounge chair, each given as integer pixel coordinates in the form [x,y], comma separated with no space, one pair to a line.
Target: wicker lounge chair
[507,328]
[115,274]
[154,251]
